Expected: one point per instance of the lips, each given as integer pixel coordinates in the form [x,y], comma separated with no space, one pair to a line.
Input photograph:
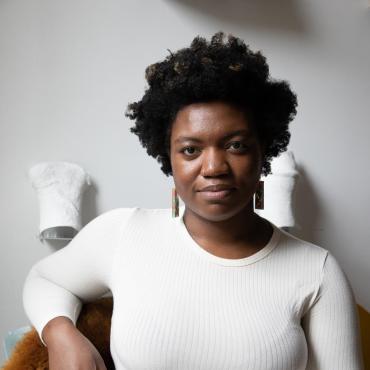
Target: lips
[217,188]
[217,195]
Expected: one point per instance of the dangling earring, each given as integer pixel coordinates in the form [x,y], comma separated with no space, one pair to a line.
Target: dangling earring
[259,196]
[175,203]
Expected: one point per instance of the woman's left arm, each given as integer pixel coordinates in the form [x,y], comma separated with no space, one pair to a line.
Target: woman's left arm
[331,325]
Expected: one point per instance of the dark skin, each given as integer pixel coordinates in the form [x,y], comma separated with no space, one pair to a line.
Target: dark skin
[227,227]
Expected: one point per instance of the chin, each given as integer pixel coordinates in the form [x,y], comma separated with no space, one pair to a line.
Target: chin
[217,211]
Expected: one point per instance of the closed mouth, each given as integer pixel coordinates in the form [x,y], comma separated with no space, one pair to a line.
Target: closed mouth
[217,188]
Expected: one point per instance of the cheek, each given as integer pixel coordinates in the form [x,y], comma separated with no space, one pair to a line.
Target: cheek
[185,173]
[246,166]
[247,173]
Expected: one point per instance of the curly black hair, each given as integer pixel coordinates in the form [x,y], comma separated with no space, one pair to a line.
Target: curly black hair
[207,71]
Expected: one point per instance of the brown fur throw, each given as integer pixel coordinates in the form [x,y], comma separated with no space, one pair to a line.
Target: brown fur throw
[93,322]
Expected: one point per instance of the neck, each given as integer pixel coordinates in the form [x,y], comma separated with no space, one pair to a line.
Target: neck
[243,228]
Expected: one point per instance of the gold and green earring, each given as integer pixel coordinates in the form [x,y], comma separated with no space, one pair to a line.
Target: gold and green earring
[175,203]
[259,196]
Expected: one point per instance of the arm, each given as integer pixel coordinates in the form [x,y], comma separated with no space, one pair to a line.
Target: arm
[58,284]
[331,325]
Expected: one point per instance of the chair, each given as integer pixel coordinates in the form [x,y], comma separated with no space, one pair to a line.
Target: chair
[12,337]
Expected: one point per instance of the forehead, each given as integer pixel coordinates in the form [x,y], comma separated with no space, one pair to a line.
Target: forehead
[209,120]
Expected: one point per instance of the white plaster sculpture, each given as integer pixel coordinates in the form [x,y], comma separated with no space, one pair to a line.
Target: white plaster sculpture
[59,186]
[279,188]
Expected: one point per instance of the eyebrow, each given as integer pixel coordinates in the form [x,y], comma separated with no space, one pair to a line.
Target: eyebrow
[229,135]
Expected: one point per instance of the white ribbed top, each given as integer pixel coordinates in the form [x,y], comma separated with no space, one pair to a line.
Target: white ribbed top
[177,306]
[226,261]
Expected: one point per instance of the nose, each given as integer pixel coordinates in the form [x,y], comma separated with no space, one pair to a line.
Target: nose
[214,163]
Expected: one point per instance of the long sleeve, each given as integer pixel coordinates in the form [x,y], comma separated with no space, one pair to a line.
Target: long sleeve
[331,325]
[58,284]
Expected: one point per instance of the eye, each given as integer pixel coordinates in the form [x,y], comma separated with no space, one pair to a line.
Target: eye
[239,145]
[186,148]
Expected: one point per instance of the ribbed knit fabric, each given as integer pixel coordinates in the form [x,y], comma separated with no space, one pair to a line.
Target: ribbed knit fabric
[176,306]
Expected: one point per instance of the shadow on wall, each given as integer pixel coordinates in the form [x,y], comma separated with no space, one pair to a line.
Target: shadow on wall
[307,209]
[283,15]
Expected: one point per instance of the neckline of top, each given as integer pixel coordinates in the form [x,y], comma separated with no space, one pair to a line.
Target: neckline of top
[263,252]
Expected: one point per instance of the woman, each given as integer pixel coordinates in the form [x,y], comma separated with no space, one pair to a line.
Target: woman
[217,287]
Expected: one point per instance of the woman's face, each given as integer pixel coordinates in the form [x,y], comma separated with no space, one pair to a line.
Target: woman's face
[214,143]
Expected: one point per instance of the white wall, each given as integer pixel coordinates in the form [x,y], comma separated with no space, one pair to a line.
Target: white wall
[69,68]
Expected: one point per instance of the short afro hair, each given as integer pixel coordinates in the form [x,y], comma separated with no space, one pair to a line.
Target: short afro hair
[220,69]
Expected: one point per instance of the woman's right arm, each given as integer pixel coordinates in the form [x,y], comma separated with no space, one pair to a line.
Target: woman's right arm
[68,348]
[56,286]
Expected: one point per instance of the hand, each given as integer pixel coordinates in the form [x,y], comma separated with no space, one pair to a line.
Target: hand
[69,349]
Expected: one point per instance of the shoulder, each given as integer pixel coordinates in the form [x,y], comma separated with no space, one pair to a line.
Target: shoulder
[135,215]
[301,255]
[113,216]
[150,213]
[312,270]
[108,221]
